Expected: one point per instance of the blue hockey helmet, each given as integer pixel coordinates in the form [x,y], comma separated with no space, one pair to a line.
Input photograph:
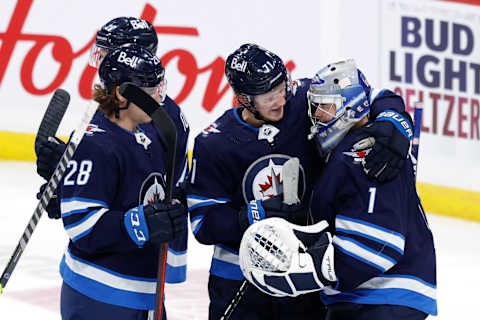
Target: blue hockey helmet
[337,100]
[135,64]
[252,70]
[120,31]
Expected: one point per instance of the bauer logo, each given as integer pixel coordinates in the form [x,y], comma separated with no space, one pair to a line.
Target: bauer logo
[238,66]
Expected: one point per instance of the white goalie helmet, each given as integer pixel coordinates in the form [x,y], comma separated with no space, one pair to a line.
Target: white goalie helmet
[273,259]
[337,100]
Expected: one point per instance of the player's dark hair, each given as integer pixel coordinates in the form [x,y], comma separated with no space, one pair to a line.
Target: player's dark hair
[108,101]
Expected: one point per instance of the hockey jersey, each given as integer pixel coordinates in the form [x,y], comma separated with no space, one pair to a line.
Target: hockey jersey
[234,162]
[112,171]
[384,251]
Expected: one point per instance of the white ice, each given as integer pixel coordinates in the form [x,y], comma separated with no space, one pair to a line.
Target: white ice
[34,287]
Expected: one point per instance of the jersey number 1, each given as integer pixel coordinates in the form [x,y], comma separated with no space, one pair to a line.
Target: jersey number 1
[371,201]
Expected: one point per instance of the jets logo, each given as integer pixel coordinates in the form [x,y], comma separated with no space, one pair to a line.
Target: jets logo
[357,156]
[152,189]
[210,129]
[263,179]
[92,128]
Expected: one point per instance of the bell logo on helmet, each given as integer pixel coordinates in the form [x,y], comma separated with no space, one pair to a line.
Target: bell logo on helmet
[238,66]
[132,62]
[138,24]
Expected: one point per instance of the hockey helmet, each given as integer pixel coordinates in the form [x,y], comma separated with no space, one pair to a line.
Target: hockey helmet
[120,31]
[252,70]
[135,64]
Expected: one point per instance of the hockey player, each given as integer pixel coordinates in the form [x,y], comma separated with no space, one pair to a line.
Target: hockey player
[384,256]
[115,33]
[239,158]
[110,200]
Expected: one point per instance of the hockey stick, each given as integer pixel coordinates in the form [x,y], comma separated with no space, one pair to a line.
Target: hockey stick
[417,119]
[168,129]
[53,116]
[48,192]
[290,176]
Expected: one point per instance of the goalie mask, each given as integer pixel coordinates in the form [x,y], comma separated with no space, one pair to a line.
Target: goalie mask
[337,100]
[252,70]
[273,257]
[121,31]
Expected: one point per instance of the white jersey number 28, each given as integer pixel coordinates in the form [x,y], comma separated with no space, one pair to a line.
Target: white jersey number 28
[83,173]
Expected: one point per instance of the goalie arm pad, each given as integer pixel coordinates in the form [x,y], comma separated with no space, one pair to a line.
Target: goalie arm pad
[274,257]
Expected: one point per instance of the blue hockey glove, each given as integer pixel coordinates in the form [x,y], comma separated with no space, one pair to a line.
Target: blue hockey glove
[49,152]
[53,207]
[392,133]
[258,210]
[157,222]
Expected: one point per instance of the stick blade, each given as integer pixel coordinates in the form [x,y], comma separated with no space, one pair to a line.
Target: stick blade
[53,116]
[290,176]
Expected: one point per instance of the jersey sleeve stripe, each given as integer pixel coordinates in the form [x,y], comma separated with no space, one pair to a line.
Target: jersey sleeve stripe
[81,228]
[176,259]
[370,231]
[363,253]
[72,204]
[197,202]
[224,254]
[196,223]
[69,213]
[401,282]
[108,277]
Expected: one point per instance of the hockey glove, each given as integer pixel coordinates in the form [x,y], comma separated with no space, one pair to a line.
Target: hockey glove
[157,222]
[49,152]
[388,143]
[275,259]
[258,210]
[53,207]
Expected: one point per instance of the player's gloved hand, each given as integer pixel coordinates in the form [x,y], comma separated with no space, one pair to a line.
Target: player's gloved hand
[389,139]
[158,222]
[258,210]
[275,258]
[49,152]
[53,207]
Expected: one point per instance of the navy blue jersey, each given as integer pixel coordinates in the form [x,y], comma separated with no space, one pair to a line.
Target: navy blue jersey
[384,251]
[234,162]
[112,171]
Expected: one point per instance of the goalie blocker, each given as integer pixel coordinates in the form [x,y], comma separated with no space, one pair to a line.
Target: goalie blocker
[283,259]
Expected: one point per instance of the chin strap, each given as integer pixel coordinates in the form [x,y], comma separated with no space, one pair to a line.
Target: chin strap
[117,109]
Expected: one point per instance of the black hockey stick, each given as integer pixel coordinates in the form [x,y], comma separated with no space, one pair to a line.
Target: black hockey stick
[53,116]
[48,192]
[417,120]
[168,129]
